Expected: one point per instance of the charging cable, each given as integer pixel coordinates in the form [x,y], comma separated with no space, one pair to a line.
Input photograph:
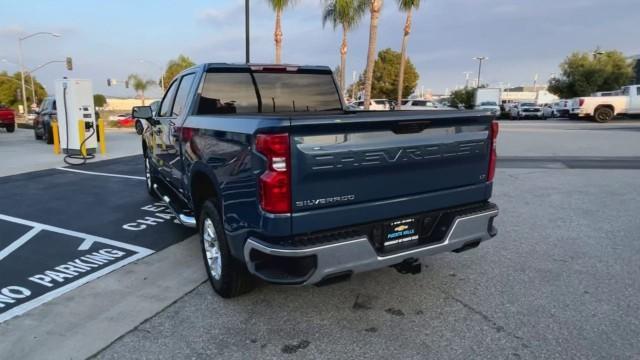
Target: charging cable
[81,156]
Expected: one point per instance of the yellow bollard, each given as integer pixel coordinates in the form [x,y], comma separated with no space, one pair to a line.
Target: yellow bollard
[103,139]
[81,131]
[56,137]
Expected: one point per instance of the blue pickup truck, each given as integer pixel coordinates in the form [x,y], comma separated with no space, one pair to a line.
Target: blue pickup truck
[285,185]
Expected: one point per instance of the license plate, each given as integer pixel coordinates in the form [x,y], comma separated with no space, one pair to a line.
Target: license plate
[401,232]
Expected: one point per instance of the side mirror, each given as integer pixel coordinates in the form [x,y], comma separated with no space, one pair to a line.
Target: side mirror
[142,112]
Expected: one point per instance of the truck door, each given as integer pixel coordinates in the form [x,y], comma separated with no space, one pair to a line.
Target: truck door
[167,131]
[634,100]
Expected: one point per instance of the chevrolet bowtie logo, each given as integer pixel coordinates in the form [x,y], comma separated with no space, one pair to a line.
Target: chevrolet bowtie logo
[401,228]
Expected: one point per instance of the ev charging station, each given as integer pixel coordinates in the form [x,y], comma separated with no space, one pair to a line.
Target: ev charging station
[76,116]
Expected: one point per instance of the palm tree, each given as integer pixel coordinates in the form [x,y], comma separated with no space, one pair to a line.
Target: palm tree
[406,6]
[375,6]
[347,14]
[279,6]
[140,85]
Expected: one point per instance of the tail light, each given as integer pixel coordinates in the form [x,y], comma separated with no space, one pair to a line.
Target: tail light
[493,156]
[275,183]
[580,102]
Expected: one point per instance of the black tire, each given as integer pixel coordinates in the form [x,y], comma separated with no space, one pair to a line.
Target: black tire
[150,177]
[48,135]
[11,128]
[231,278]
[603,115]
[35,134]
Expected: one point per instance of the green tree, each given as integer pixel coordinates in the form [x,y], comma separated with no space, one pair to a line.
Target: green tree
[140,85]
[585,73]
[345,14]
[385,76]
[279,6]
[10,88]
[375,7]
[99,100]
[464,97]
[174,67]
[406,6]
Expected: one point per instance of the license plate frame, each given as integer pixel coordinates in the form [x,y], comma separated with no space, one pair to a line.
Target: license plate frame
[401,232]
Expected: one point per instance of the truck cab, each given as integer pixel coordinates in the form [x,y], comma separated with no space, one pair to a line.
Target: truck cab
[286,185]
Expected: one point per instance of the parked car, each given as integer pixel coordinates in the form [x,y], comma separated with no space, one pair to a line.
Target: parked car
[490,106]
[548,111]
[119,117]
[418,104]
[7,118]
[604,108]
[42,123]
[374,105]
[488,99]
[309,197]
[31,115]
[525,110]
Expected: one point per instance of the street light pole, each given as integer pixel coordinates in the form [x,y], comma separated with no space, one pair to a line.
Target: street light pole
[247,51]
[22,93]
[480,60]
[20,39]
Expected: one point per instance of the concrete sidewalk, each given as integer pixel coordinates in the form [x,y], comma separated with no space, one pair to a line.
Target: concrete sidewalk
[20,152]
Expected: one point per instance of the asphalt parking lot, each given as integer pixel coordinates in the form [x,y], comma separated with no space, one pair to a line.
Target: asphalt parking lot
[559,281]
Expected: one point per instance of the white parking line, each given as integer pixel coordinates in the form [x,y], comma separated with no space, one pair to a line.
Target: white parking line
[102,174]
[16,244]
[141,252]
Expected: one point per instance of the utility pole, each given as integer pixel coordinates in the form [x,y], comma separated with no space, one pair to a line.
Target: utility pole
[247,32]
[480,60]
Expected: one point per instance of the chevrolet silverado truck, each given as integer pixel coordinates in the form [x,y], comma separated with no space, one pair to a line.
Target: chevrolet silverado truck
[603,108]
[285,185]
[7,118]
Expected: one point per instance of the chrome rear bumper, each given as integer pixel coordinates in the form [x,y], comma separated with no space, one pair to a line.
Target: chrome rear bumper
[358,255]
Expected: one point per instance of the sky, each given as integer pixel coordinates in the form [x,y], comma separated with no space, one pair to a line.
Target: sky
[115,38]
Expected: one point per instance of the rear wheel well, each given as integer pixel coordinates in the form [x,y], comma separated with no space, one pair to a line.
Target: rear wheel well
[610,107]
[202,188]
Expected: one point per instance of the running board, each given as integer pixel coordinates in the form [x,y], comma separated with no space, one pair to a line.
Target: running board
[186,220]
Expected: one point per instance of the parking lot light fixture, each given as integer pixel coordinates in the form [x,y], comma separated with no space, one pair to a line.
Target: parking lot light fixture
[22,71]
[480,60]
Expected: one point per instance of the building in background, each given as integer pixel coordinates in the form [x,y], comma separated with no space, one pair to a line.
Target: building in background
[125,104]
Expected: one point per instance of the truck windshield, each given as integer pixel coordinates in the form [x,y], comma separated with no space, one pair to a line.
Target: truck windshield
[235,93]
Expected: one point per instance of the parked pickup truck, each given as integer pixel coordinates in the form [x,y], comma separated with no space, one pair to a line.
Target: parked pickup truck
[603,108]
[285,185]
[7,118]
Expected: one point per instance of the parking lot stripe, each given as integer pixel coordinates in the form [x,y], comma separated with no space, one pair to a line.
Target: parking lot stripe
[72,233]
[141,252]
[102,174]
[16,244]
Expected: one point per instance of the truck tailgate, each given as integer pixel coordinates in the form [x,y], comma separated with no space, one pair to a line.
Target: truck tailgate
[364,160]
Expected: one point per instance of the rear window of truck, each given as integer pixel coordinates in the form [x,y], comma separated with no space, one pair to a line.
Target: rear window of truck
[267,92]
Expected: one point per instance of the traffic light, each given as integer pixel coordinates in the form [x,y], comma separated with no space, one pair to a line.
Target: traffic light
[69,63]
[126,84]
[109,82]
